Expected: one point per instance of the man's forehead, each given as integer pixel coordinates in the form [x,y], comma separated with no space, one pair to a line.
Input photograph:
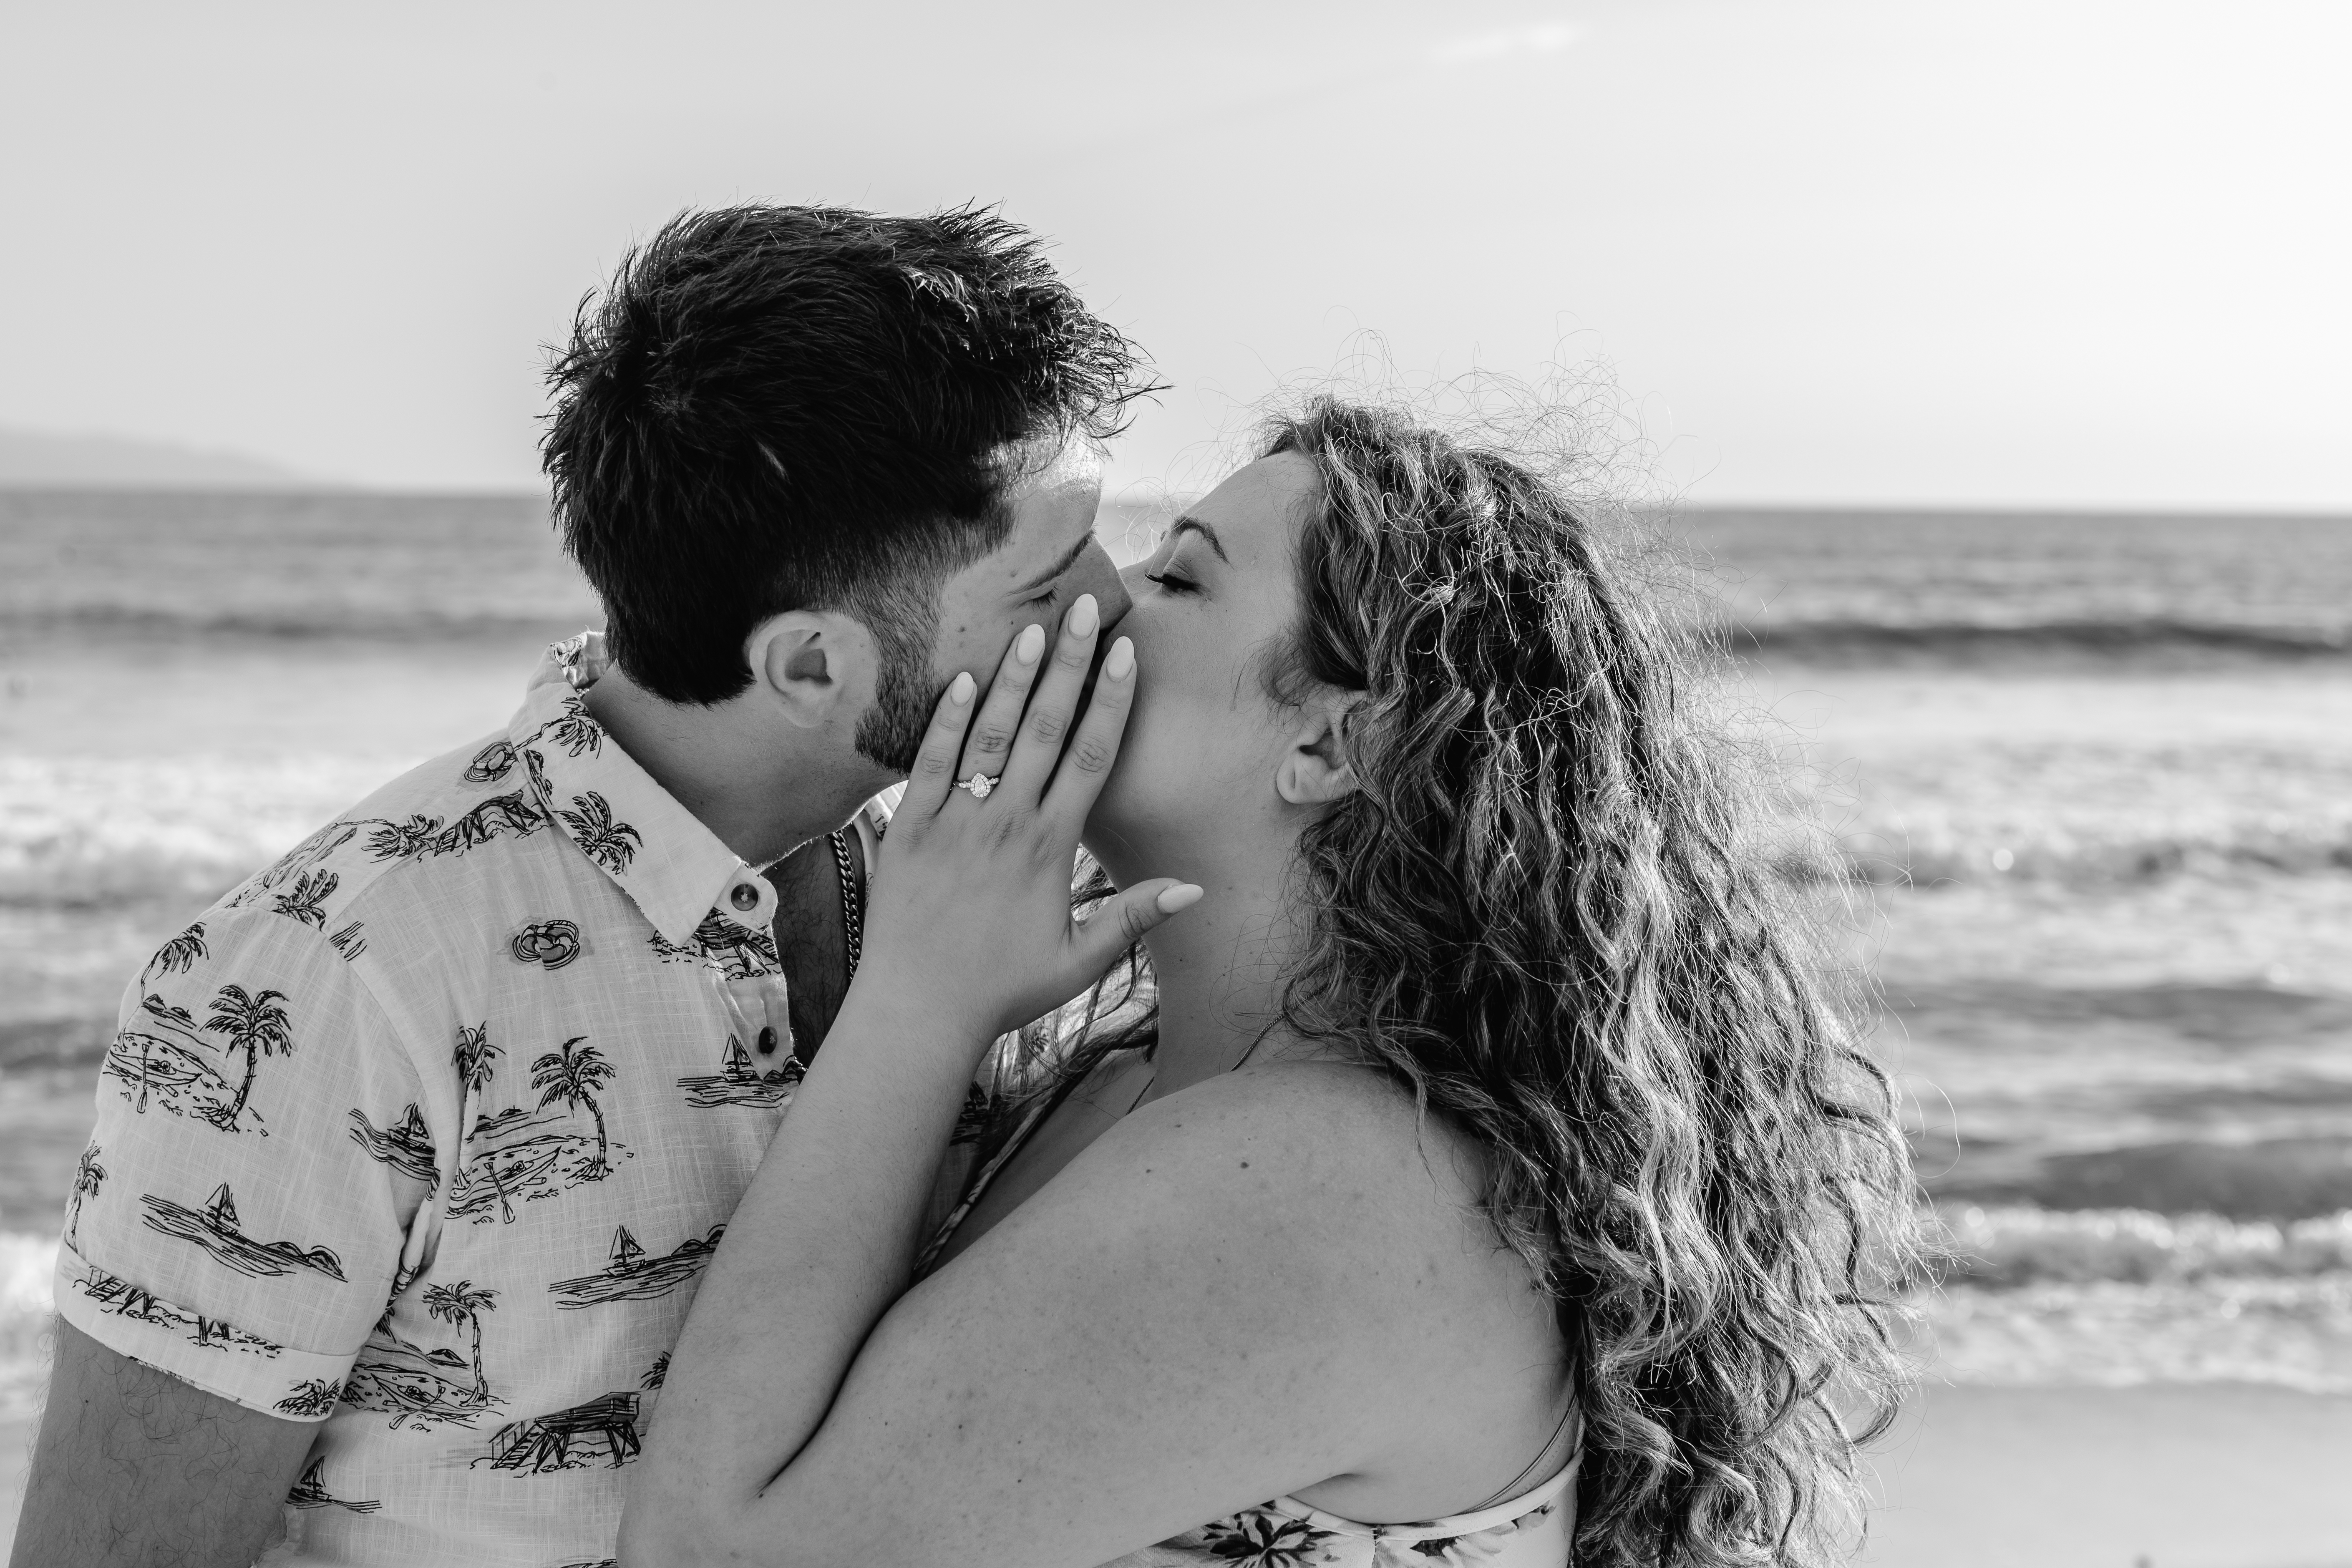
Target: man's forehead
[1047,465]
[1054,504]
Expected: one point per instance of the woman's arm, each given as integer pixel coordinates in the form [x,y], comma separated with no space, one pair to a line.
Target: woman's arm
[970,932]
[1235,1293]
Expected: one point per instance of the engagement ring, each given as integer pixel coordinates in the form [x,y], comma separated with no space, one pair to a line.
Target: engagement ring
[979,783]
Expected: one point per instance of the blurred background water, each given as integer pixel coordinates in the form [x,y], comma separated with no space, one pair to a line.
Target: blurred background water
[2089,780]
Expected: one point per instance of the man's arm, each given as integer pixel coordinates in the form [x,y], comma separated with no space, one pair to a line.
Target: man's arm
[135,1468]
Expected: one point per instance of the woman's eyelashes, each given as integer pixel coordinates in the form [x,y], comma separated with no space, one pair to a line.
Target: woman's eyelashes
[1169,578]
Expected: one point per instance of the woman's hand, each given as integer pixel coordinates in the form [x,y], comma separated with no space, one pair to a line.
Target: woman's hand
[971,912]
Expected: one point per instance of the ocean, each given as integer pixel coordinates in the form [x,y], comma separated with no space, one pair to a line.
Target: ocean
[2088,781]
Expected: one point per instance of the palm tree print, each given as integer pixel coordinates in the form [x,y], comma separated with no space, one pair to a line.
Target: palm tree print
[476,1056]
[312,1396]
[396,840]
[612,845]
[462,1305]
[255,1025]
[500,814]
[177,956]
[304,903]
[574,730]
[573,1076]
[89,1176]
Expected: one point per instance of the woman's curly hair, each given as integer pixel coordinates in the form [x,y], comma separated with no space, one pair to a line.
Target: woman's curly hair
[1546,910]
[1553,911]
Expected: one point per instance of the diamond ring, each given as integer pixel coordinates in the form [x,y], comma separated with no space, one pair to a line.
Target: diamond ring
[979,783]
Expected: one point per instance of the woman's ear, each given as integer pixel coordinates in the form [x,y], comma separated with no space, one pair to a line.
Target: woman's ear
[1314,770]
[816,666]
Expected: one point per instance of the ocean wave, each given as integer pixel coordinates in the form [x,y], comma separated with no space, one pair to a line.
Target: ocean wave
[82,832]
[2088,814]
[2164,641]
[1941,852]
[2020,1246]
[292,624]
[2285,1328]
[2291,1332]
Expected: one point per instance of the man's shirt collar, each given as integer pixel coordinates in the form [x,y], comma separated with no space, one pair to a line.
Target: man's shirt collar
[674,868]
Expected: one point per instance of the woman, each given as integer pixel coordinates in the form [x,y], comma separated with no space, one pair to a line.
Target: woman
[1497,1185]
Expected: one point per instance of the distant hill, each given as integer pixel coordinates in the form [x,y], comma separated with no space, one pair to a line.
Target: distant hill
[37,459]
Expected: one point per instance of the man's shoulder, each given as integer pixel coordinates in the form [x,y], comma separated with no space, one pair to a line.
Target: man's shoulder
[428,825]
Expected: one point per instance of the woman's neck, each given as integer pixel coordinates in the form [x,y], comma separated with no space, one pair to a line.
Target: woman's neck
[1219,970]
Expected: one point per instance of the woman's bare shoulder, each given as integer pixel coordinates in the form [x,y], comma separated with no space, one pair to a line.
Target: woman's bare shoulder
[1333,1160]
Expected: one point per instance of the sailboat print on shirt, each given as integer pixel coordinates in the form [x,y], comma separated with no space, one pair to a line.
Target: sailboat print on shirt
[213,1227]
[405,1146]
[631,1275]
[739,1082]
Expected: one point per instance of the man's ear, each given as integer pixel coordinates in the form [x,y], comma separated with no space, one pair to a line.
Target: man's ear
[1314,770]
[815,665]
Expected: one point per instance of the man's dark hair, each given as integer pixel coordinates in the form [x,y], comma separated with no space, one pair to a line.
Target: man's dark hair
[775,408]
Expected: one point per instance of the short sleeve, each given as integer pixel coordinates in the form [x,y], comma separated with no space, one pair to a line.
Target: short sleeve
[240,1217]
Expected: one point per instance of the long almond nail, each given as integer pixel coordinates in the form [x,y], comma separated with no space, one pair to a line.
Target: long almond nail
[959,689]
[1120,663]
[1030,643]
[1084,617]
[1182,896]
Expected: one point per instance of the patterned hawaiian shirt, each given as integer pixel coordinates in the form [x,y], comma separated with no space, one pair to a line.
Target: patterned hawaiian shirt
[426,1133]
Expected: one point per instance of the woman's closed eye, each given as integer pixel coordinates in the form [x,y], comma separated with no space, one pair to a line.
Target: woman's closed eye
[1170,576]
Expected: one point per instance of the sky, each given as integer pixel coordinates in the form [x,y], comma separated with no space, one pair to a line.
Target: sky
[2022,252]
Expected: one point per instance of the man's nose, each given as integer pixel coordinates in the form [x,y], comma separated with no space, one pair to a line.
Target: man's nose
[1112,599]
[1111,604]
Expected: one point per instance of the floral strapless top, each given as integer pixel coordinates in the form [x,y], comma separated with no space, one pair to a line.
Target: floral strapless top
[1531,1530]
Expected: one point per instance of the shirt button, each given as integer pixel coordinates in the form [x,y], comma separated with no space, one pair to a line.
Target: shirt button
[745,897]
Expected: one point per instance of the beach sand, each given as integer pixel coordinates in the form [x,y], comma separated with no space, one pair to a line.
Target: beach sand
[2173,1475]
[2180,1476]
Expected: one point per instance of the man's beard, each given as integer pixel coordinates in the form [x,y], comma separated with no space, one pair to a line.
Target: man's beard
[906,692]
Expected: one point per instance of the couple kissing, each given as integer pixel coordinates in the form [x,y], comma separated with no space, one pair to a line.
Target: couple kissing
[1316,1066]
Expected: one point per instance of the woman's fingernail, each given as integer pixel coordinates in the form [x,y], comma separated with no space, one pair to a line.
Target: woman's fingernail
[1083,617]
[1120,663]
[959,689]
[1030,643]
[1182,896]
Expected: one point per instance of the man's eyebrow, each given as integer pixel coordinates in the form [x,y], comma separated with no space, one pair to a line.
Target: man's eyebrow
[1069,558]
[1194,525]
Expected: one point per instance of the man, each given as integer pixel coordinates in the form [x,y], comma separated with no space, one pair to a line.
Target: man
[417,1141]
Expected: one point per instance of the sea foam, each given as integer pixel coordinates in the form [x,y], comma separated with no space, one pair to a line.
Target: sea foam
[26,1311]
